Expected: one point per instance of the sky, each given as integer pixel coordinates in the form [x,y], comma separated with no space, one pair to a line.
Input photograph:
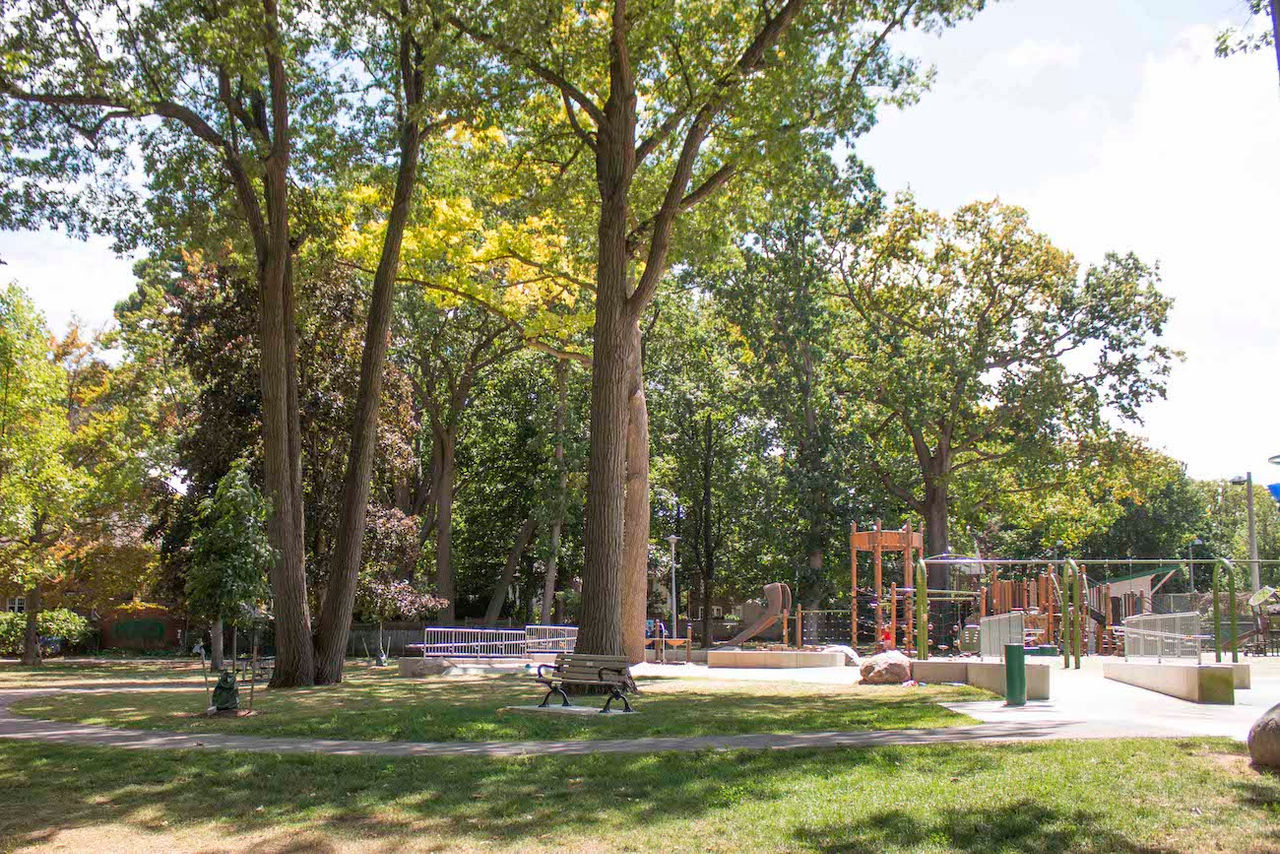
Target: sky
[1112,123]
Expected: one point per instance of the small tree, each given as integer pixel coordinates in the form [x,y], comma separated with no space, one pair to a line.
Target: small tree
[230,553]
[389,599]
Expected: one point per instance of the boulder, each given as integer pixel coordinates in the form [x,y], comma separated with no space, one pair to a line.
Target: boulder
[850,654]
[886,668]
[1264,739]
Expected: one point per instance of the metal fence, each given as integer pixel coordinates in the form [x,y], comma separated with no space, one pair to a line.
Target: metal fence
[826,627]
[1162,636]
[550,638]
[1174,603]
[995,632]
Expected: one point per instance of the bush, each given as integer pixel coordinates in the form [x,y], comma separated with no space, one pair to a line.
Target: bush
[58,623]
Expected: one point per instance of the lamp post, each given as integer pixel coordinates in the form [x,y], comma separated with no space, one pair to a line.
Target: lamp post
[1191,561]
[1254,576]
[675,627]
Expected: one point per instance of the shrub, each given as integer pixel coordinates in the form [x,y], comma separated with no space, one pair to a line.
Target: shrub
[58,623]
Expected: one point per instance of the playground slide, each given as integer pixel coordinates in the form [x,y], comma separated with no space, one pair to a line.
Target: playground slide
[777,597]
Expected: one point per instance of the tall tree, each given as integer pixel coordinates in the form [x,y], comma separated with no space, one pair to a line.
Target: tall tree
[669,104]
[39,485]
[976,345]
[245,100]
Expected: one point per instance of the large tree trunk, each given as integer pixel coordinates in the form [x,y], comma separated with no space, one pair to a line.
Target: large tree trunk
[935,520]
[339,600]
[601,628]
[635,542]
[31,639]
[281,432]
[557,522]
[215,645]
[444,471]
[509,571]
[294,658]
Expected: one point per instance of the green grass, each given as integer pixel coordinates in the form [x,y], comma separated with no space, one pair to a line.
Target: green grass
[380,706]
[58,672]
[1095,796]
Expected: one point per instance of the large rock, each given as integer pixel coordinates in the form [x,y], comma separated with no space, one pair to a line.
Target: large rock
[886,668]
[1264,739]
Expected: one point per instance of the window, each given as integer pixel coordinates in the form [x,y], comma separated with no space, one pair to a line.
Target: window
[16,605]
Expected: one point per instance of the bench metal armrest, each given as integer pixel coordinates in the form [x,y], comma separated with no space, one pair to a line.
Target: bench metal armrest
[554,670]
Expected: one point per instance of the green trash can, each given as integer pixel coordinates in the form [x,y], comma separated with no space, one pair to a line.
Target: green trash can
[1015,675]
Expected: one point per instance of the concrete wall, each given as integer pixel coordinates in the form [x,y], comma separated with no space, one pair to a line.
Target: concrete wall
[988,675]
[773,659]
[1199,683]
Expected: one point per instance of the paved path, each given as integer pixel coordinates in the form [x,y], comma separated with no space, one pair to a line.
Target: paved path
[1087,707]
[28,729]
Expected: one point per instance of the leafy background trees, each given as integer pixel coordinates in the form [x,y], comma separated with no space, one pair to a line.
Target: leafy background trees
[491,299]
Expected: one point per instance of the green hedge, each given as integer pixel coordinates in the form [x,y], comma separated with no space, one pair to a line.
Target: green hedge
[58,623]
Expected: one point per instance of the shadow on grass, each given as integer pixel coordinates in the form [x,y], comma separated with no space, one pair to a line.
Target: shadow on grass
[1020,826]
[962,798]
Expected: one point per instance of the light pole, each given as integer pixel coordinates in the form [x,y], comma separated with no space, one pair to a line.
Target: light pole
[1254,576]
[1191,561]
[675,628]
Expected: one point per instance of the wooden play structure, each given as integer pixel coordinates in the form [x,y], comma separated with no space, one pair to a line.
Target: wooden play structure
[1039,597]
[910,544]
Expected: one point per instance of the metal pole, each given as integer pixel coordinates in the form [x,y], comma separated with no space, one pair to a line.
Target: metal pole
[674,625]
[1255,577]
[1217,617]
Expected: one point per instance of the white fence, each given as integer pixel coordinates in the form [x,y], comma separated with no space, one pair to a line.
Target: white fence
[1164,635]
[550,638]
[467,642]
[995,632]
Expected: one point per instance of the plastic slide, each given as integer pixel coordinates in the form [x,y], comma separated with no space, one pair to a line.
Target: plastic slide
[777,598]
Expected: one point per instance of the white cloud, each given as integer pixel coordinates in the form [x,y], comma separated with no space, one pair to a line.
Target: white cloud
[1188,180]
[1037,54]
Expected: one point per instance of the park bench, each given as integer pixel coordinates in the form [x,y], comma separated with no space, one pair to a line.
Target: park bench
[612,672]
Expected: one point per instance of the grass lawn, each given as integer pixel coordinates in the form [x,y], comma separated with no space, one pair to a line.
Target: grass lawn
[60,672]
[1094,796]
[380,706]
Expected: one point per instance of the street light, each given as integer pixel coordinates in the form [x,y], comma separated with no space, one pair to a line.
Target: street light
[1191,561]
[1247,483]
[675,628]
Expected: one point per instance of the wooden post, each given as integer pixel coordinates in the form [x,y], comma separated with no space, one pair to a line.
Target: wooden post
[786,628]
[982,602]
[877,558]
[893,616]
[799,626]
[853,585]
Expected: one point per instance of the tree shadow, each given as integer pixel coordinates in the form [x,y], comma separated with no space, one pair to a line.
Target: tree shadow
[1021,826]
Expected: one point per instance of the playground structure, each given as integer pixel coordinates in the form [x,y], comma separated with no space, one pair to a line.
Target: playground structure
[777,596]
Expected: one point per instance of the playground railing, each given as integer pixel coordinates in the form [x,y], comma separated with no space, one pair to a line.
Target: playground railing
[468,642]
[995,632]
[550,638]
[1161,636]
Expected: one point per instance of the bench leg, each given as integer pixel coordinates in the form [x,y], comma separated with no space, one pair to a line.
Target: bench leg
[556,690]
[615,694]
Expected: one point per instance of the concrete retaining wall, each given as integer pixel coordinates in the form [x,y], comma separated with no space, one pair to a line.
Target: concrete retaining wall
[773,659]
[988,675]
[1199,683]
